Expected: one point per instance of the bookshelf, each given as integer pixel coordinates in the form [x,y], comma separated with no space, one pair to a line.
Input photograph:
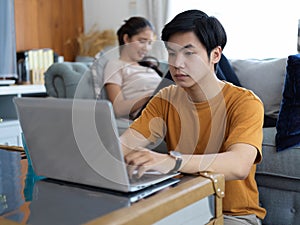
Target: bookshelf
[10,130]
[32,65]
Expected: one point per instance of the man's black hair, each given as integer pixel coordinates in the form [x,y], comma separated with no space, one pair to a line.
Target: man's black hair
[208,29]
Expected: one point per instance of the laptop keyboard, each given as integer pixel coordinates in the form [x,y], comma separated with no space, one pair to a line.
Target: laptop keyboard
[147,177]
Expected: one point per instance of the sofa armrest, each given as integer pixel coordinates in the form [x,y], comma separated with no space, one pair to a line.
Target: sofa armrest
[69,80]
[284,164]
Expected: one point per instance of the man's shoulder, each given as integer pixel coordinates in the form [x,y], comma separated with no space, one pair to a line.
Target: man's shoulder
[239,98]
[239,92]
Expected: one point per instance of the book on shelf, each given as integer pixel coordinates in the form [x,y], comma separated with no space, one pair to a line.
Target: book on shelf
[32,64]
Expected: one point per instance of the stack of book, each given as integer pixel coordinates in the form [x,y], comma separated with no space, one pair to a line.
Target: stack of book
[32,64]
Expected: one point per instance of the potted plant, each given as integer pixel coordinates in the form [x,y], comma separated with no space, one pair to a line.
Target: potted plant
[91,43]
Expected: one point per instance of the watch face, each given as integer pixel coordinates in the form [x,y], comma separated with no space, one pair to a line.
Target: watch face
[175,154]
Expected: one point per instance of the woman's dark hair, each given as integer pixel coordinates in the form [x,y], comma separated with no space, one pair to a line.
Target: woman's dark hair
[208,29]
[133,26]
[152,62]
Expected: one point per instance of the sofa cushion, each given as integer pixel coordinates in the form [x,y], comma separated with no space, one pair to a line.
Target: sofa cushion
[288,124]
[282,205]
[278,180]
[283,164]
[265,78]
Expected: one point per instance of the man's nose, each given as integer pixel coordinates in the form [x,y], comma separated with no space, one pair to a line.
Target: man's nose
[178,61]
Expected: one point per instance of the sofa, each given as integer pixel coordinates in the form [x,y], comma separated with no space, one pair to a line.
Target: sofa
[278,175]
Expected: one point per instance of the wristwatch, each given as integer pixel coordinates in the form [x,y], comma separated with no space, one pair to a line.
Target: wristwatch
[177,156]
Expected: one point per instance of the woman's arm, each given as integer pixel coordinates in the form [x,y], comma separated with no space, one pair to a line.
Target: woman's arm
[123,107]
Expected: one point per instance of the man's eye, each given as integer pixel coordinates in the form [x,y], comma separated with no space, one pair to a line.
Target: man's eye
[189,53]
[171,53]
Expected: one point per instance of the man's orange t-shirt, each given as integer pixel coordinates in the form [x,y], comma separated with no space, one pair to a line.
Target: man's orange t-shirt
[235,115]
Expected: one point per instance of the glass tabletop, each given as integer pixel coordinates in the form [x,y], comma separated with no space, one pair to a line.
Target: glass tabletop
[29,199]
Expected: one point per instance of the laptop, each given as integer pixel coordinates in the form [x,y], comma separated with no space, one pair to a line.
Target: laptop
[77,140]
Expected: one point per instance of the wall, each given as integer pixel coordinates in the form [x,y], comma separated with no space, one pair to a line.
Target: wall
[48,24]
[55,24]
[109,14]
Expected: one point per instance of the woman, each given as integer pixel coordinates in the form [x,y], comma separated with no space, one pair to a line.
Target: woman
[130,80]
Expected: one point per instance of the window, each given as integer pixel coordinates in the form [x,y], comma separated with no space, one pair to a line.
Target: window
[255,29]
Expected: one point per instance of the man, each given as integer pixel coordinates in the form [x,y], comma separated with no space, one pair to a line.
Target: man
[208,124]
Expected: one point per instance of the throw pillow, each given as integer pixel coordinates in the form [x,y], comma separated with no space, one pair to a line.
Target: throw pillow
[288,124]
[265,78]
[226,72]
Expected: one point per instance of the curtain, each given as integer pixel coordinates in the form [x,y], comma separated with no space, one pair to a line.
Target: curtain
[298,43]
[157,13]
[8,67]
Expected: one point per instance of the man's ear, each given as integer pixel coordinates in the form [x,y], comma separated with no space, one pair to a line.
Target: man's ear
[216,54]
[126,39]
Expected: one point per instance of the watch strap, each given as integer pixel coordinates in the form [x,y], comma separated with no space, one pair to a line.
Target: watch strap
[178,162]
